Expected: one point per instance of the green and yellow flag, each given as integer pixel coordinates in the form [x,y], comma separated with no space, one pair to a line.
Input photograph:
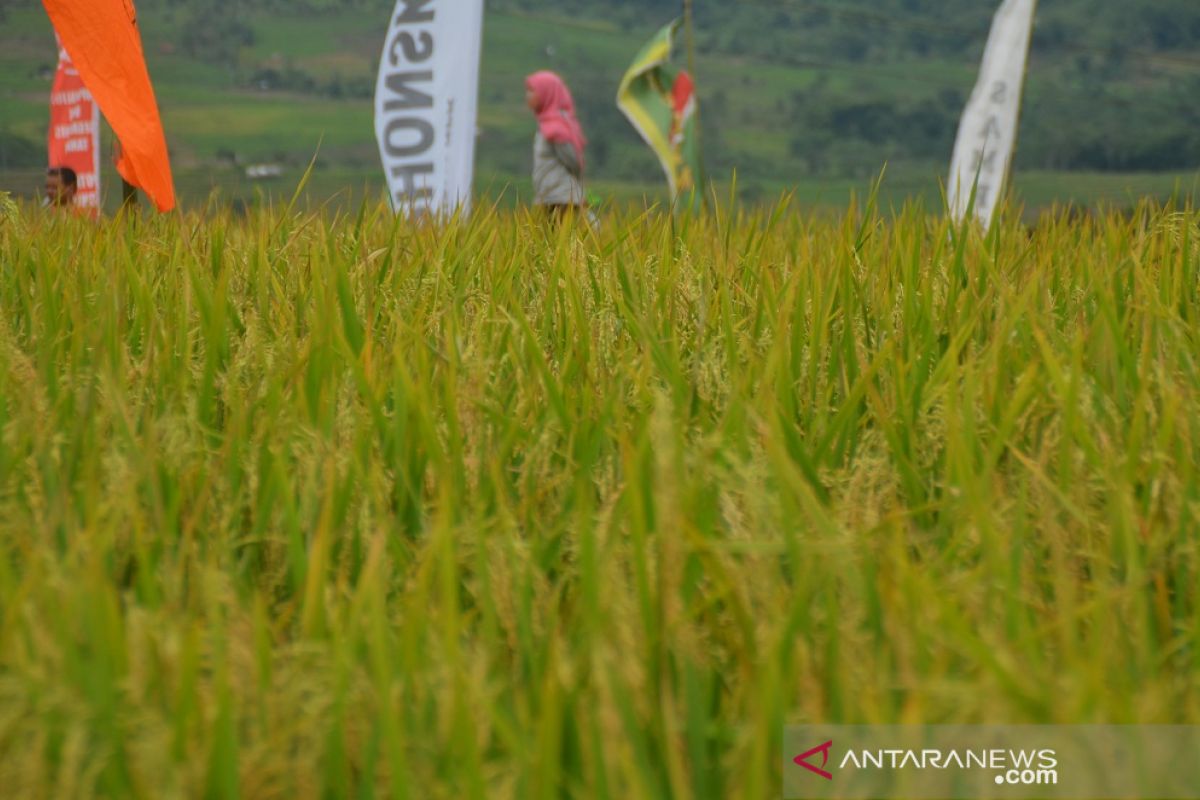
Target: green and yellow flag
[660,101]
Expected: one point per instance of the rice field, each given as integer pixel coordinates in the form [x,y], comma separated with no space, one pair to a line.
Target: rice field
[309,505]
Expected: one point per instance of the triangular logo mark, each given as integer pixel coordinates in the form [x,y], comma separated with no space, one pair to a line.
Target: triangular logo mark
[802,760]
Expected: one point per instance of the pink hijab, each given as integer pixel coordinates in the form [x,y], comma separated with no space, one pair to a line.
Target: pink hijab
[555,110]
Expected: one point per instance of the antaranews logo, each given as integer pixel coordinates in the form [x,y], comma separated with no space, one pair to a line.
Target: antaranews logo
[1013,767]
[975,762]
[1010,766]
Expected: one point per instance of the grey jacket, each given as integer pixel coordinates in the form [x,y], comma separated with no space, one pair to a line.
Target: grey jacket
[557,174]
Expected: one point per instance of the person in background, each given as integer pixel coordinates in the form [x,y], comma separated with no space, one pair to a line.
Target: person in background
[61,185]
[558,161]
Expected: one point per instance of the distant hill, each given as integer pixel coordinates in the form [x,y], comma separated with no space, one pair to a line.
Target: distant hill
[815,94]
[1115,85]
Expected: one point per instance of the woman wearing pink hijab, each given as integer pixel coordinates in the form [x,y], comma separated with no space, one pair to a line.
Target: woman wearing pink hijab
[558,146]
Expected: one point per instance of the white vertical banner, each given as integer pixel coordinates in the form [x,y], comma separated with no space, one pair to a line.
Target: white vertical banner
[426,104]
[987,134]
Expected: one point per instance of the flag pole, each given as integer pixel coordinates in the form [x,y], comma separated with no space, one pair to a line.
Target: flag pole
[690,34]
[129,196]
[691,37]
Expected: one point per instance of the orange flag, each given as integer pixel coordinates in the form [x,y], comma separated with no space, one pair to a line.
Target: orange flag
[103,40]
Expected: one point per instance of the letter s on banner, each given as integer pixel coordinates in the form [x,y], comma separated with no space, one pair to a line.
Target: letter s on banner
[426,104]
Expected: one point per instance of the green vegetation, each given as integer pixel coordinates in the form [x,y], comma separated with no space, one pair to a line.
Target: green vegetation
[807,95]
[300,506]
